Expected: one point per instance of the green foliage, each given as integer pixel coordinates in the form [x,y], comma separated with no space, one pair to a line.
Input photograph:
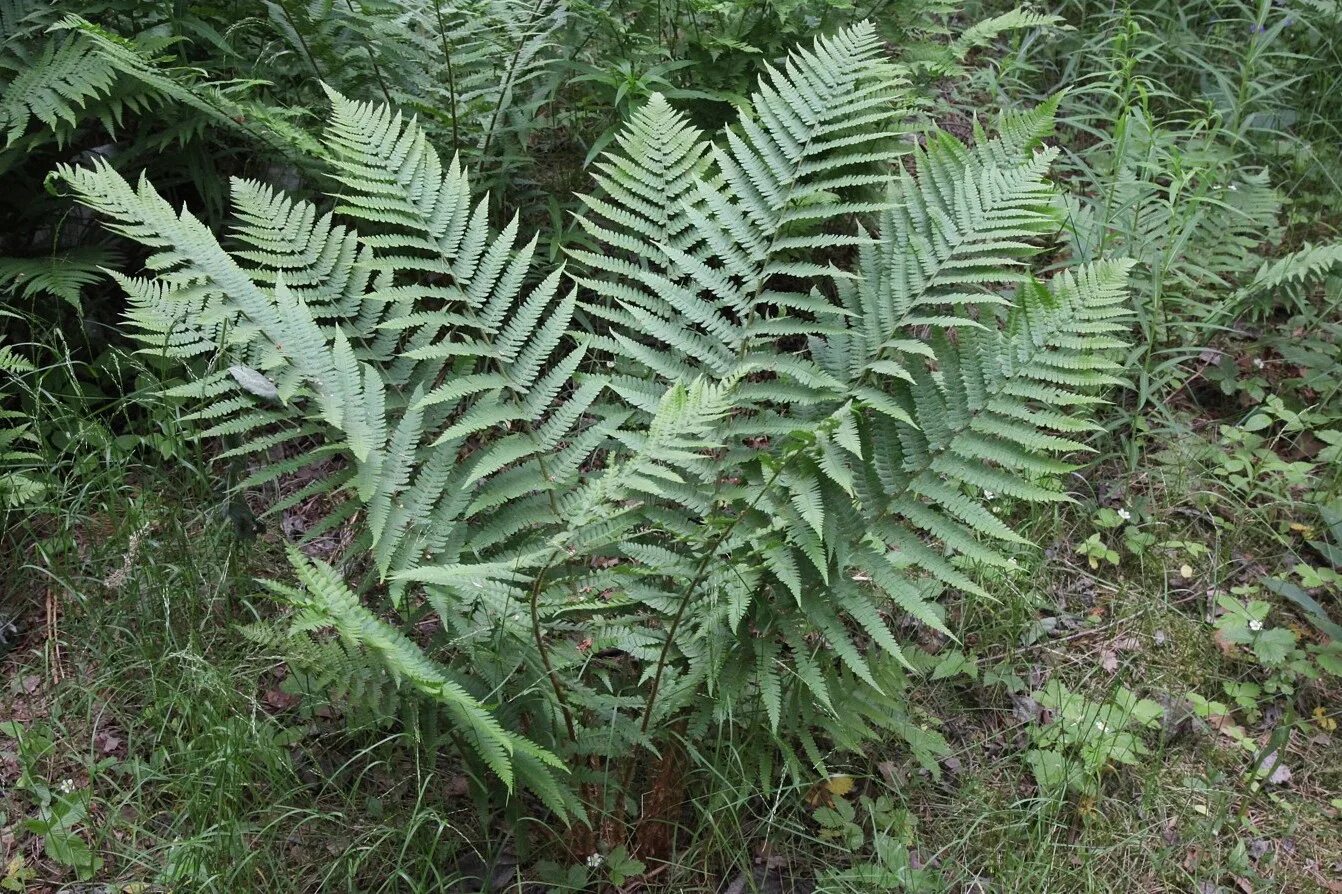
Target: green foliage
[21,478]
[58,811]
[660,417]
[1086,738]
[1192,106]
[476,70]
[741,468]
[874,827]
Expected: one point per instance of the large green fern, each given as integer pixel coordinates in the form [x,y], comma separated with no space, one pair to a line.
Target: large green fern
[724,453]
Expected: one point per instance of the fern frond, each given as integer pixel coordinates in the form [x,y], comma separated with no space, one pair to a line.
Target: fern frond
[646,190]
[64,276]
[326,601]
[1292,273]
[110,52]
[990,413]
[56,86]
[985,31]
[817,134]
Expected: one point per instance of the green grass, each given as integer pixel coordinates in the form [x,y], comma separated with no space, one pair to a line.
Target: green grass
[203,773]
[207,774]
[212,765]
[215,786]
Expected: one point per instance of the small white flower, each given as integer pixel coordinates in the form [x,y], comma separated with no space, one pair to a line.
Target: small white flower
[1012,562]
[594,861]
[1258,363]
[1233,188]
[1125,515]
[1099,725]
[66,786]
[989,495]
[1255,625]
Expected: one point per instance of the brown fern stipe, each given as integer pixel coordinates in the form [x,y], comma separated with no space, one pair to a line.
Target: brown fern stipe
[661,804]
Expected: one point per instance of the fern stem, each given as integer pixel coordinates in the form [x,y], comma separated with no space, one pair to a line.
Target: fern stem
[544,653]
[451,75]
[302,41]
[702,569]
[372,58]
[699,573]
[536,618]
[507,83]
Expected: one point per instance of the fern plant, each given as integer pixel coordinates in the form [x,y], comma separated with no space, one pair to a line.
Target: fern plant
[699,478]
[120,89]
[475,69]
[21,478]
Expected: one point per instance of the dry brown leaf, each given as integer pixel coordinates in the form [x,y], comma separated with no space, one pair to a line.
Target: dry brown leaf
[1275,768]
[836,785]
[280,700]
[1226,726]
[891,773]
[1225,645]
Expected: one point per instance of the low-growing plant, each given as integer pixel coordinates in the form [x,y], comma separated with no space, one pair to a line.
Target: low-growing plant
[1285,659]
[880,836]
[1085,738]
[697,479]
[58,811]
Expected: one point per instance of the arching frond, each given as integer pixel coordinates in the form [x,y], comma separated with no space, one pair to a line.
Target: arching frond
[736,446]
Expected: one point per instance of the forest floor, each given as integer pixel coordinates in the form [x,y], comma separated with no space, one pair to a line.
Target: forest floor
[127,680]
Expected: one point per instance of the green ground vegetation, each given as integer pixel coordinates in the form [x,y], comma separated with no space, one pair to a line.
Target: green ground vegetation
[557,446]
